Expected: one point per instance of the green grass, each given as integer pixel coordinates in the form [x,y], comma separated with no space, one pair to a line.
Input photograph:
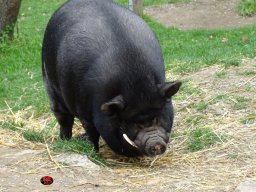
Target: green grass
[73,145]
[34,136]
[221,74]
[10,125]
[194,120]
[231,63]
[247,7]
[201,138]
[249,119]
[221,97]
[237,102]
[21,82]
[248,88]
[122,2]
[45,134]
[20,75]
[152,2]
[201,106]
[158,2]
[240,103]
[247,72]
[78,146]
[188,88]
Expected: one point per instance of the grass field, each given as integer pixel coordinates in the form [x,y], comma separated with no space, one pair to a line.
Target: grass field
[22,90]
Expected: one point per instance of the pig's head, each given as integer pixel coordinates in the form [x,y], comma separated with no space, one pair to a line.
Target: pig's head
[146,126]
[149,140]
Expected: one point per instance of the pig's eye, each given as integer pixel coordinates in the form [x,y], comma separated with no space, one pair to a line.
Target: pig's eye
[144,121]
[146,117]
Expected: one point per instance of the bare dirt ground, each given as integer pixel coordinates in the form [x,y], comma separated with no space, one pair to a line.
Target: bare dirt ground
[221,167]
[205,14]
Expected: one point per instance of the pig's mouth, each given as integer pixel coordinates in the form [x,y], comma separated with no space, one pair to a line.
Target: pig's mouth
[128,140]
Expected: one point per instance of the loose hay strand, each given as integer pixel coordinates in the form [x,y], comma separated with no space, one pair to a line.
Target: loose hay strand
[49,154]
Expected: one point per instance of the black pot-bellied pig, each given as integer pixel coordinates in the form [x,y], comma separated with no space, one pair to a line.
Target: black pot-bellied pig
[103,65]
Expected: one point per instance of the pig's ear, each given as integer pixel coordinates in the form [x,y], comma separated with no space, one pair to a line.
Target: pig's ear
[170,88]
[113,106]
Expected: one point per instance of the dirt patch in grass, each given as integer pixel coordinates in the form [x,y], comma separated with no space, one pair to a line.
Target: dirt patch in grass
[207,14]
[228,111]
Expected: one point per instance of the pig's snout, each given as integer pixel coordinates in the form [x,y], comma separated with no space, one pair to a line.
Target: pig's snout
[156,148]
[152,141]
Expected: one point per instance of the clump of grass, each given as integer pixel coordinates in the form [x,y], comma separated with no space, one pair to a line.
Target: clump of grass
[14,126]
[73,145]
[201,106]
[34,136]
[188,88]
[231,63]
[158,2]
[248,72]
[221,74]
[201,138]
[122,2]
[247,7]
[248,88]
[78,145]
[233,155]
[240,103]
[250,119]
[221,97]
[194,119]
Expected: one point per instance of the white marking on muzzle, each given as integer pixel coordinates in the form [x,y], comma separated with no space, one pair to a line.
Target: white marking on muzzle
[126,138]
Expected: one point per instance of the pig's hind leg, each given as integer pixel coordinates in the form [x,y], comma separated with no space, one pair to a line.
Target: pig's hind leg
[66,121]
[62,114]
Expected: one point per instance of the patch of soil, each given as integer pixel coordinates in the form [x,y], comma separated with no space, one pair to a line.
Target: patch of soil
[207,14]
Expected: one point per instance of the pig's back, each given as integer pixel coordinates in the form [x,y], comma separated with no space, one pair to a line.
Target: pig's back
[90,29]
[98,45]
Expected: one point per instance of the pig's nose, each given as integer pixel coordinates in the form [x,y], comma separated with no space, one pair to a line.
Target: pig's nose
[157,149]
